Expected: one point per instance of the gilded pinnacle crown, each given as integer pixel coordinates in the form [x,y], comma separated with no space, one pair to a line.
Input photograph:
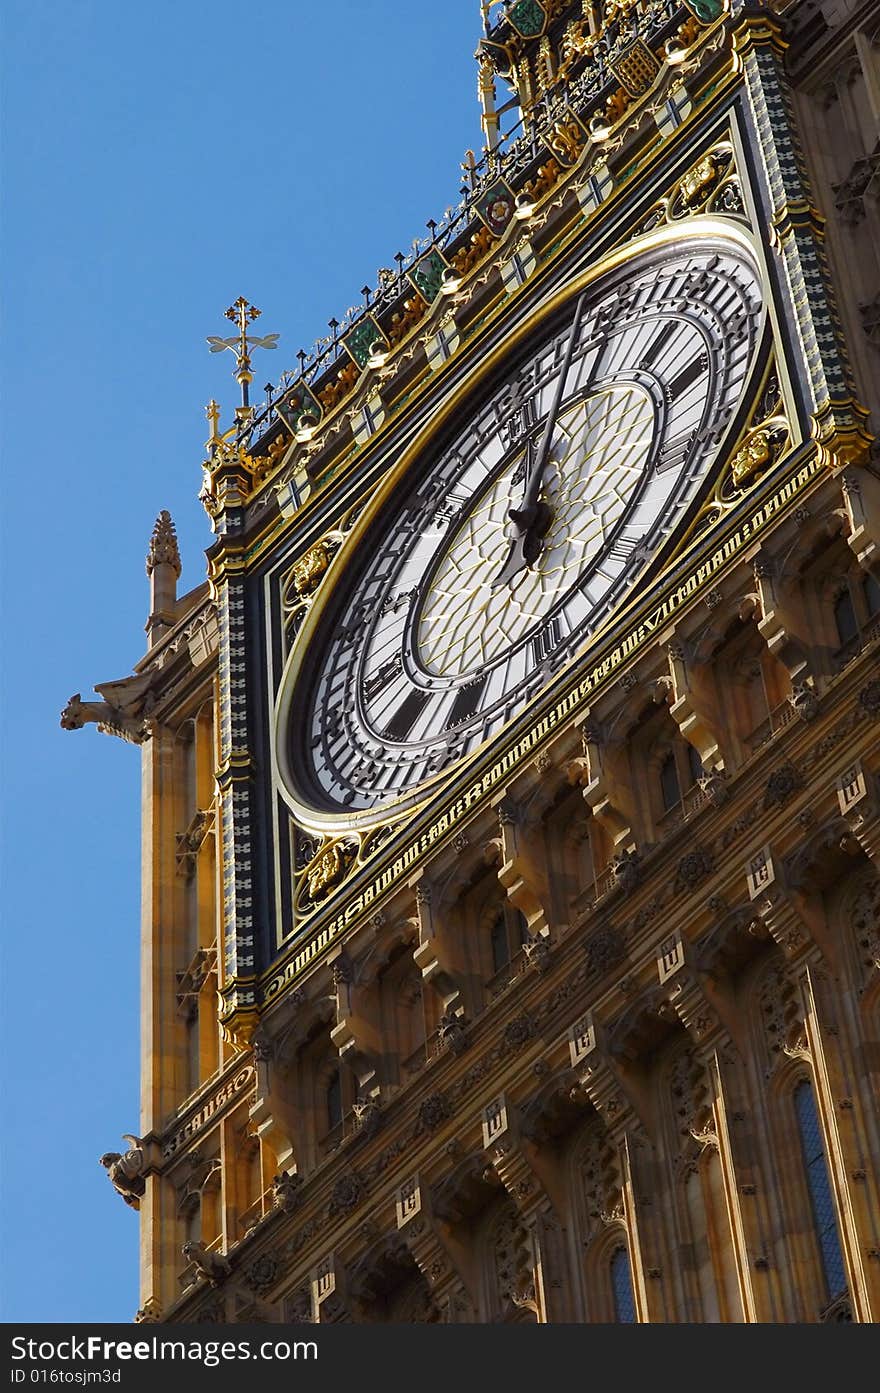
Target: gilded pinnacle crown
[163,545]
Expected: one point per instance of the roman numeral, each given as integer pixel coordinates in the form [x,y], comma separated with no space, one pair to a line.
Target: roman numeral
[546,641]
[660,342]
[620,549]
[518,413]
[675,452]
[383,677]
[449,506]
[687,377]
[466,702]
[406,715]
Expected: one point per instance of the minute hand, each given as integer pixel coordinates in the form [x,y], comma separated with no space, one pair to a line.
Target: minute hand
[532,518]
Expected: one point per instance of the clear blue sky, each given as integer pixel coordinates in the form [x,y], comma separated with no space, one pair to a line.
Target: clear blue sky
[157,161]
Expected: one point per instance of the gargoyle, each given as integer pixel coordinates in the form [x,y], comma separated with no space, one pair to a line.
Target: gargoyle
[214,1266]
[123,712]
[126,1170]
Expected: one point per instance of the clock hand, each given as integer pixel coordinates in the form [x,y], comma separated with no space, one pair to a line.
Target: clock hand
[533,516]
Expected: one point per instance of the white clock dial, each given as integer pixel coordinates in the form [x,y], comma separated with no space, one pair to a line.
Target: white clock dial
[596,463]
[509,539]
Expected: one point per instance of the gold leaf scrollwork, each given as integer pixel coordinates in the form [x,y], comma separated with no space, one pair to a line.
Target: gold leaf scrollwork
[697,190]
[326,871]
[764,442]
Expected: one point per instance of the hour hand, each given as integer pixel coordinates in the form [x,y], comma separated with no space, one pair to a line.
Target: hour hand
[532,522]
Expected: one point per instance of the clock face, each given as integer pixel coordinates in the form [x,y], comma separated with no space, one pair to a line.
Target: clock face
[510,538]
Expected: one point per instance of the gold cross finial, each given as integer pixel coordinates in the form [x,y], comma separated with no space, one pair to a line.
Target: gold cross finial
[242,313]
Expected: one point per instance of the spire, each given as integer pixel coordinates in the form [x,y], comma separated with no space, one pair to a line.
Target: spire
[163,545]
[163,568]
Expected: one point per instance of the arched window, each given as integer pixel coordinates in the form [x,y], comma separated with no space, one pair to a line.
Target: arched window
[521,928]
[500,945]
[621,1288]
[669,786]
[845,618]
[334,1101]
[816,1167]
[679,772]
[695,765]
[871,592]
[508,934]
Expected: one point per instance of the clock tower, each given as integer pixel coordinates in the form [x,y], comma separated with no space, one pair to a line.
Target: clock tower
[511,909]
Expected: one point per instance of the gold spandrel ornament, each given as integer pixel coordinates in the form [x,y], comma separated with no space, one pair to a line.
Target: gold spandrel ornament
[301,582]
[322,865]
[764,444]
[310,568]
[326,871]
[711,185]
[698,183]
[754,454]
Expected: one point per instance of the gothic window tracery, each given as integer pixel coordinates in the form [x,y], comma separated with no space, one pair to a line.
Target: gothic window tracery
[856,610]
[507,935]
[679,771]
[819,1186]
[621,1287]
[846,600]
[864,923]
[333,1101]
[411,1304]
[778,1011]
[845,617]
[496,934]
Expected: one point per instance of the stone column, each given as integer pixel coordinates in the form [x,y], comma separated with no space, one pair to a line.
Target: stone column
[690,708]
[861,499]
[707,1017]
[520,871]
[435,955]
[355,1037]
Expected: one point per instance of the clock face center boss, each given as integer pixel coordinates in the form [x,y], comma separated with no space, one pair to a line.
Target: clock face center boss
[509,534]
